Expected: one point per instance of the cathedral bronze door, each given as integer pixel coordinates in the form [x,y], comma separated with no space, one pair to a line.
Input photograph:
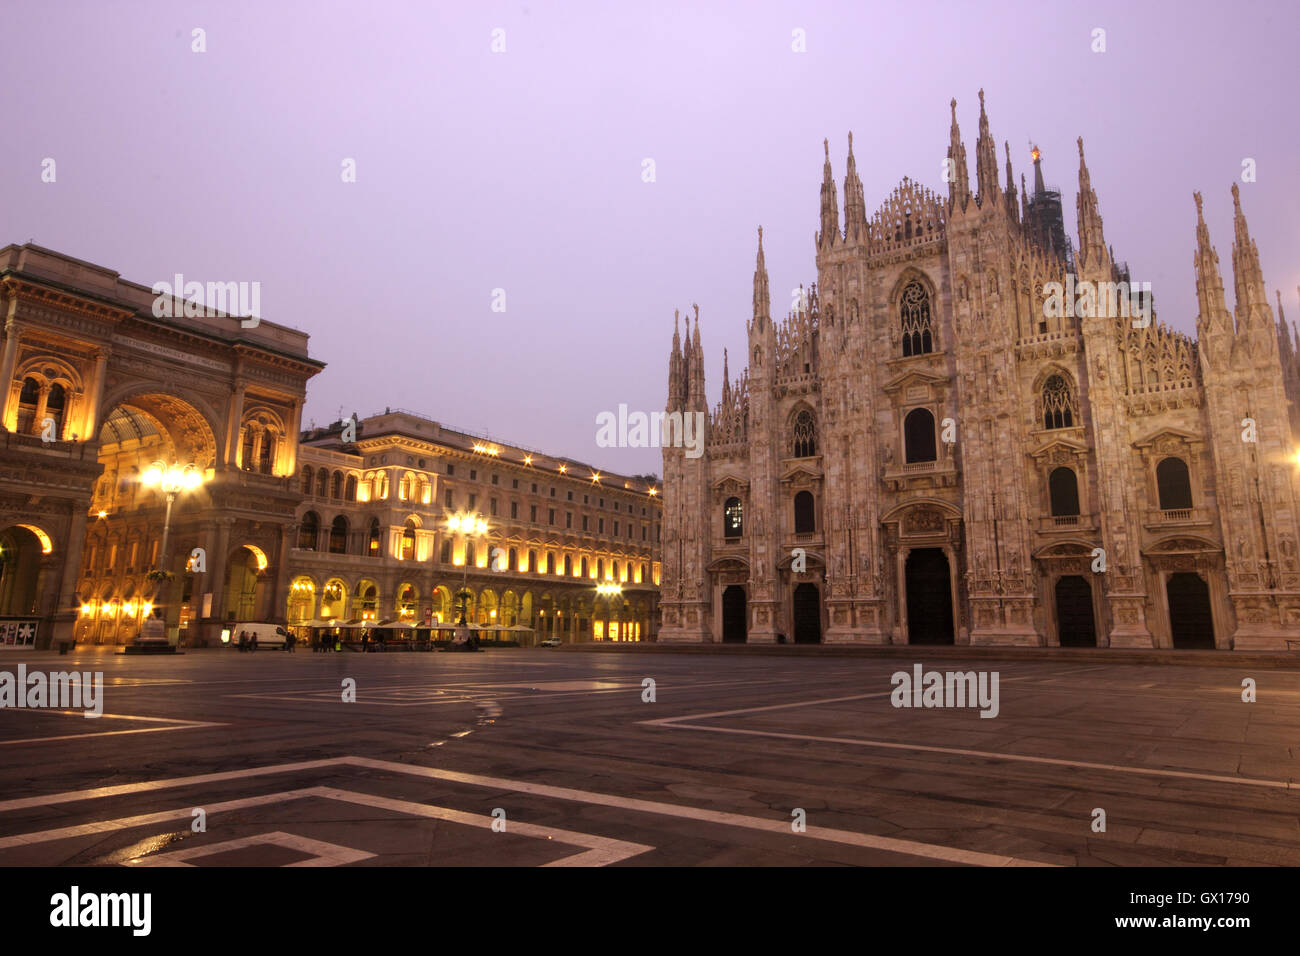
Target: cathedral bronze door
[734,614]
[807,607]
[1075,626]
[1190,620]
[929,597]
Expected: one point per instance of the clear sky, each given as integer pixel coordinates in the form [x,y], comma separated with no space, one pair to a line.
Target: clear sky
[522,170]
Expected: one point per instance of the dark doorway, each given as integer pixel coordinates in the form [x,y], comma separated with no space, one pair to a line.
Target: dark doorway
[807,614]
[929,597]
[1190,619]
[1074,621]
[733,614]
[20,569]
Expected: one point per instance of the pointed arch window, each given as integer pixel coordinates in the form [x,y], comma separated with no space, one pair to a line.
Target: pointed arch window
[805,434]
[914,313]
[1173,484]
[1060,410]
[918,436]
[1063,489]
[733,517]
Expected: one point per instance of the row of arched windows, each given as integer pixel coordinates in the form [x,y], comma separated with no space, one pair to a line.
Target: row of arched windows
[805,516]
[31,420]
[1173,488]
[324,484]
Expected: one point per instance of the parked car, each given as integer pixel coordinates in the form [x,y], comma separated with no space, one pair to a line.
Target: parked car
[552,642]
[269,636]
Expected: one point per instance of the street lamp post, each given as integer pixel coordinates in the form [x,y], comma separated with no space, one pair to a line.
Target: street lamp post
[172,480]
[469,525]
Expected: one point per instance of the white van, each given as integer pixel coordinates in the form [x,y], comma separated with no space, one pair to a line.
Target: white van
[269,636]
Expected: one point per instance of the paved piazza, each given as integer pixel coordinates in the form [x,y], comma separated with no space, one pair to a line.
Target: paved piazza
[551,758]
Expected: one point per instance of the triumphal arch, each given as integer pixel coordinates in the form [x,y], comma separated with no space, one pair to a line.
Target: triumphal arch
[105,403]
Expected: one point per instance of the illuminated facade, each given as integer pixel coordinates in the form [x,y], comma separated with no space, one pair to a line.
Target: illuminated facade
[928,451]
[392,525]
[97,390]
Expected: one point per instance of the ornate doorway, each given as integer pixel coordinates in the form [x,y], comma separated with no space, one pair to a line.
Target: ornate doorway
[807,613]
[929,597]
[1075,625]
[734,614]
[1191,622]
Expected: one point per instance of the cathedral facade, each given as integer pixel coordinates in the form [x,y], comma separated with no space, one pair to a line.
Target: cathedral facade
[971,431]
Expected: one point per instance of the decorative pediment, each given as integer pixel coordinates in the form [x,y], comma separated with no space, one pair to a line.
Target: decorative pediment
[1168,440]
[730,484]
[945,508]
[1071,548]
[1182,545]
[1059,450]
[813,559]
[729,562]
[800,474]
[916,377]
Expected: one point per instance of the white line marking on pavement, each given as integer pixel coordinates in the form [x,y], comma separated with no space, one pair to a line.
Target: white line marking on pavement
[776,827]
[175,722]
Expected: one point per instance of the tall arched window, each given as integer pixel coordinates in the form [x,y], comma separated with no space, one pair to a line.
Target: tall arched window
[586,571]
[1063,489]
[568,566]
[732,518]
[408,541]
[1174,484]
[267,452]
[308,473]
[1058,403]
[372,544]
[471,556]
[918,436]
[350,489]
[246,455]
[55,403]
[805,434]
[339,536]
[805,519]
[512,560]
[28,399]
[322,480]
[550,562]
[336,489]
[308,531]
[446,551]
[914,313]
[532,562]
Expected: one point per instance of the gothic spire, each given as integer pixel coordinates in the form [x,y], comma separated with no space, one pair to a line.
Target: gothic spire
[986,159]
[957,174]
[1092,242]
[1213,317]
[1283,335]
[855,207]
[762,298]
[1040,190]
[830,206]
[1248,279]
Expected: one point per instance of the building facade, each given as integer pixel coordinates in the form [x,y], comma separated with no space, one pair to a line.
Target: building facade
[97,390]
[971,431]
[395,523]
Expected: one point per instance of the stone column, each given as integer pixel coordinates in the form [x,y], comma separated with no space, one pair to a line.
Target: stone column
[233,430]
[64,617]
[42,403]
[13,332]
[94,396]
[279,596]
[215,584]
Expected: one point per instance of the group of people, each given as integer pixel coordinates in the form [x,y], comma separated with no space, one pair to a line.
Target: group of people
[248,641]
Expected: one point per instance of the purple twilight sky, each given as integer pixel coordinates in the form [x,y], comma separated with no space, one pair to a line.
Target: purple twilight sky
[522,170]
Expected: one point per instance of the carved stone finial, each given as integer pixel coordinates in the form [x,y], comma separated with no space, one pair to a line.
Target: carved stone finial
[1197,197]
